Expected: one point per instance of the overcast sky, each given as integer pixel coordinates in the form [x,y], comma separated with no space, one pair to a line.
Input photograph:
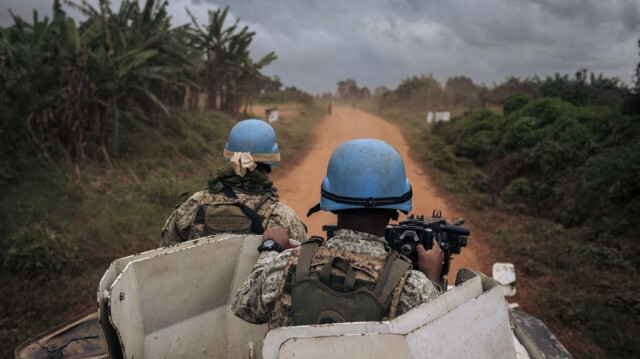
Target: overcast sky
[382,42]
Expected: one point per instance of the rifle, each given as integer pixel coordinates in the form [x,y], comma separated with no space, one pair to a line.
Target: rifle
[406,235]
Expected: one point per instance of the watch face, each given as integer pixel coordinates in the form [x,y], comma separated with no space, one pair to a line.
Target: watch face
[269,244]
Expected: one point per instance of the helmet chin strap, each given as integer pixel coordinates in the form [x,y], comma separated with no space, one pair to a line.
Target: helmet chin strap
[313,210]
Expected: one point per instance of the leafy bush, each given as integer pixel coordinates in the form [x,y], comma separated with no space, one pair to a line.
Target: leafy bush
[517,188]
[583,285]
[168,149]
[478,180]
[174,125]
[211,126]
[477,147]
[515,102]
[186,167]
[162,191]
[32,251]
[192,146]
[445,161]
[208,130]
[573,167]
[610,183]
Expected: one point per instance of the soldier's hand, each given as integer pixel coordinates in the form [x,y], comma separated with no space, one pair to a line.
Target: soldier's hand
[430,261]
[281,236]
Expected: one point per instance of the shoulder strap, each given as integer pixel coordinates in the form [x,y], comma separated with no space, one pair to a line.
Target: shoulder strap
[228,191]
[303,267]
[256,223]
[263,199]
[198,218]
[394,269]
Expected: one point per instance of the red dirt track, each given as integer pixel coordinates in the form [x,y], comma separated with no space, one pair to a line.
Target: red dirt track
[299,185]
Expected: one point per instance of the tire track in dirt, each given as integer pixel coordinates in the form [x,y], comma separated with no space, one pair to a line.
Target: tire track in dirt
[299,185]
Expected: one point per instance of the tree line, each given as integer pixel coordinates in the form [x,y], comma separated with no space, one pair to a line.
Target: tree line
[460,94]
[70,89]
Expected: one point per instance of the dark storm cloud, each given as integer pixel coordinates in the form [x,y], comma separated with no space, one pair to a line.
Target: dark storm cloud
[381,42]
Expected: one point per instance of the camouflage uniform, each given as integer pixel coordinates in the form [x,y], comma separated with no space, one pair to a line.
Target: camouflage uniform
[180,226]
[256,300]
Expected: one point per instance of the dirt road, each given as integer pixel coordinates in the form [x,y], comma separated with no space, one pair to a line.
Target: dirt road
[299,185]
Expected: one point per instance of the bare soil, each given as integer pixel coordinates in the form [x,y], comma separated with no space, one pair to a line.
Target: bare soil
[299,184]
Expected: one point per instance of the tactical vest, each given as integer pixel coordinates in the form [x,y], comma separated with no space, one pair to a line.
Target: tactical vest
[224,212]
[328,285]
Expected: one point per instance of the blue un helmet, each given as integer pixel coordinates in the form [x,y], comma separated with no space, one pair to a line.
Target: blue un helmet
[255,137]
[365,173]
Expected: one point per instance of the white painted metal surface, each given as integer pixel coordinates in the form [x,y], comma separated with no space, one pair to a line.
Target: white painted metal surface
[469,321]
[173,302]
[505,273]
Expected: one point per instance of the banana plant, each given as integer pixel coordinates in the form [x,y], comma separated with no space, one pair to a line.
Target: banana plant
[228,65]
[74,88]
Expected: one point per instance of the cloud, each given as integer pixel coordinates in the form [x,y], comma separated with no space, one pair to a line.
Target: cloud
[381,42]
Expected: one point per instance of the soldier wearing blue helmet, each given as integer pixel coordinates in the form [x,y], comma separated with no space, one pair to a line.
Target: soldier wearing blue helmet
[241,198]
[352,276]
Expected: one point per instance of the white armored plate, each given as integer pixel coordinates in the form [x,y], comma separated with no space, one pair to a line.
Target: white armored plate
[173,302]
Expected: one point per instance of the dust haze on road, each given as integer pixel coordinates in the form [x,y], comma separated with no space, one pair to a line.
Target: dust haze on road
[299,185]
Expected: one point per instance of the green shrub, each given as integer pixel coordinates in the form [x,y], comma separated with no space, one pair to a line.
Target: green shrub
[547,110]
[515,102]
[608,257]
[478,180]
[566,142]
[446,161]
[477,147]
[186,167]
[610,183]
[174,125]
[168,149]
[561,164]
[192,146]
[522,133]
[143,167]
[213,127]
[129,142]
[32,251]
[513,195]
[209,131]
[160,190]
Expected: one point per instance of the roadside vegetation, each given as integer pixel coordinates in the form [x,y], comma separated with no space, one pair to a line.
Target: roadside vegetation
[105,123]
[561,156]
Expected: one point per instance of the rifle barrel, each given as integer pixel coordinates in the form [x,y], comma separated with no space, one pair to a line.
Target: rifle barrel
[460,231]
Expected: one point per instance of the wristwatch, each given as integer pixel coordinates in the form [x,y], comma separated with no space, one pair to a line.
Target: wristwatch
[269,244]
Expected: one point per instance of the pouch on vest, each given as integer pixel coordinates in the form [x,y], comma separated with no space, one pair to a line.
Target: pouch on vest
[226,218]
[231,217]
[324,298]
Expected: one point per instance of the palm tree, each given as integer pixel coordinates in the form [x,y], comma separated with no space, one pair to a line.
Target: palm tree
[251,78]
